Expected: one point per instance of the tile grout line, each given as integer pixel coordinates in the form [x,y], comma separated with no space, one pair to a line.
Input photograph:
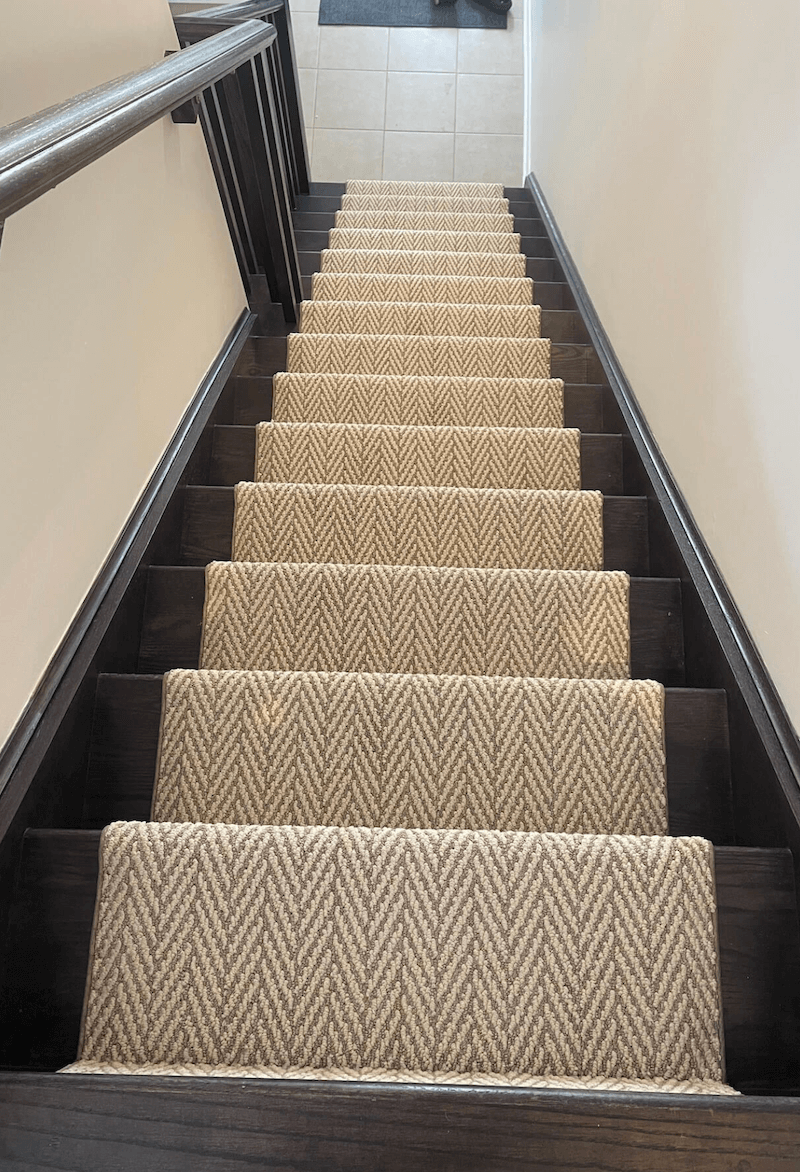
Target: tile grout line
[385,102]
[455,107]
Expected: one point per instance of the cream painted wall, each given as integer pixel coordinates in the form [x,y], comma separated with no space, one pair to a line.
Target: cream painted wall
[116,292]
[666,137]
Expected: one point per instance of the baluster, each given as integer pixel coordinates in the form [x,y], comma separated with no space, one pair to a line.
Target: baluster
[259,112]
[287,146]
[283,24]
[227,182]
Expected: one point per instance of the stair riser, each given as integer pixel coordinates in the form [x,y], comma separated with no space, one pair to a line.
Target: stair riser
[537,268]
[173,619]
[556,324]
[316,204]
[324,221]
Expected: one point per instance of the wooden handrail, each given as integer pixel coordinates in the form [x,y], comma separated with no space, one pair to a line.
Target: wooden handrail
[39,152]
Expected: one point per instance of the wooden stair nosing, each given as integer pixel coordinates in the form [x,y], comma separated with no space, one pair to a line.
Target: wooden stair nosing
[208,512]
[127,716]
[583,403]
[757,928]
[173,617]
[233,456]
[202,1125]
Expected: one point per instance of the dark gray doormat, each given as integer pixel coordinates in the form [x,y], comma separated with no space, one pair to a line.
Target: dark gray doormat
[409,14]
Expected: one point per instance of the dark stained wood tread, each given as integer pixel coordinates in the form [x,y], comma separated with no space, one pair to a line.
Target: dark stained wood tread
[127,714]
[575,362]
[224,1125]
[758,939]
[252,403]
[208,529]
[233,454]
[173,616]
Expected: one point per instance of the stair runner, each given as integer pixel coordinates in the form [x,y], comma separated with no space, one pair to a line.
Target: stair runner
[410,816]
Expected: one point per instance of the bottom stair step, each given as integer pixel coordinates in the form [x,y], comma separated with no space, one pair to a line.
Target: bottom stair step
[756,919]
[318,721]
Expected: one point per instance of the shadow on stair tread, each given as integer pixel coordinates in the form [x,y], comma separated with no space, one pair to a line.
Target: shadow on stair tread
[208,513]
[173,618]
[757,927]
[233,456]
[127,718]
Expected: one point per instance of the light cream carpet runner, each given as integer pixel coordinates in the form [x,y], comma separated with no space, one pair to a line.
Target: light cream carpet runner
[418,526]
[430,751]
[410,815]
[462,457]
[460,953]
[434,401]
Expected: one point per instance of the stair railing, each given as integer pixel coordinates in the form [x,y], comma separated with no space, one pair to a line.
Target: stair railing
[226,74]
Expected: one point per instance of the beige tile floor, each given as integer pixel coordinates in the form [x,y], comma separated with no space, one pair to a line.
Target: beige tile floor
[411,103]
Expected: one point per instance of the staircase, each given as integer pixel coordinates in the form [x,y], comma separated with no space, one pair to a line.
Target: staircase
[408,786]
[411,814]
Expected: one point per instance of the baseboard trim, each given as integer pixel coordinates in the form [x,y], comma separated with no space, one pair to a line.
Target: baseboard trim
[29,740]
[780,740]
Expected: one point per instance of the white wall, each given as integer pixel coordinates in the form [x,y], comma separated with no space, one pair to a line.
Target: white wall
[116,292]
[666,137]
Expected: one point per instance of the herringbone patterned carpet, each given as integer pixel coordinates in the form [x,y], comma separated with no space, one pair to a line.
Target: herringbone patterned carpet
[449,221]
[438,401]
[402,317]
[365,287]
[379,453]
[410,816]
[364,749]
[515,529]
[358,258]
[451,951]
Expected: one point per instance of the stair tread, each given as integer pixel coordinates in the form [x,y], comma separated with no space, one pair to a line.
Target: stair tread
[127,723]
[352,523]
[234,454]
[756,918]
[173,622]
[399,287]
[372,879]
